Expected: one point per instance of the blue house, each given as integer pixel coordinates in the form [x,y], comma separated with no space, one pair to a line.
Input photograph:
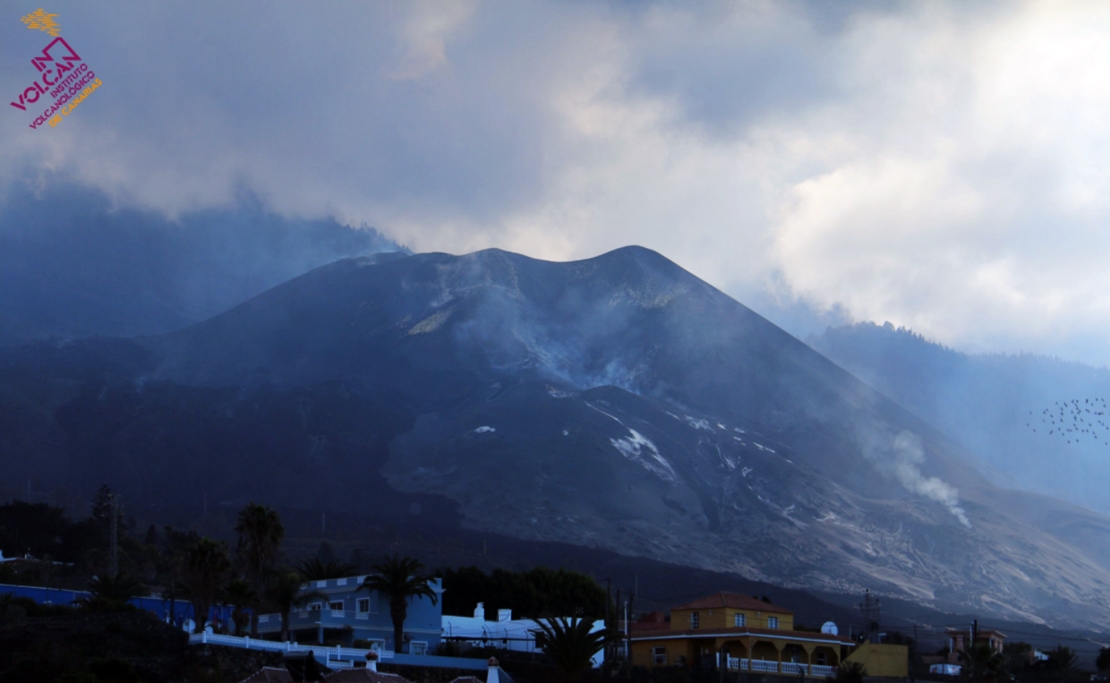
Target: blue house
[345,614]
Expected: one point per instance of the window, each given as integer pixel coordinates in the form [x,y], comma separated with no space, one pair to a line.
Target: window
[659,656]
[315,607]
[336,608]
[738,620]
[772,622]
[341,582]
[695,621]
[362,608]
[418,647]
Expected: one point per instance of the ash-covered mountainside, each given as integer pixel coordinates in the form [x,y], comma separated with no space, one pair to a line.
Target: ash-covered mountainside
[617,402]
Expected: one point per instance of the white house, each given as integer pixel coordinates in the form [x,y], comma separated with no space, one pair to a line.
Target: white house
[508,633]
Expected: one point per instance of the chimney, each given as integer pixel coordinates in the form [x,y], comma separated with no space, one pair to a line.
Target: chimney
[494,671]
[372,660]
[480,611]
[504,615]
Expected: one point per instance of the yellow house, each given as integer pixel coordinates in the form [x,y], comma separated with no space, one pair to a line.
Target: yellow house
[757,636]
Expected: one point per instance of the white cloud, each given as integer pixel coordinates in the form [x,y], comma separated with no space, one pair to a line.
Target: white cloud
[938,165]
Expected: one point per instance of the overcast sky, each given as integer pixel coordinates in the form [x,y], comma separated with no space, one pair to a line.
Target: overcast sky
[943,166]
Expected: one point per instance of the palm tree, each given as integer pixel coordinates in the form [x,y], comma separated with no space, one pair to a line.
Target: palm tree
[260,535]
[286,593]
[111,594]
[239,595]
[983,664]
[571,643]
[318,570]
[206,568]
[399,578]
[1061,658]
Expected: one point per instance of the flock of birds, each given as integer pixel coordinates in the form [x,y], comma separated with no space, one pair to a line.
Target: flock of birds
[1075,420]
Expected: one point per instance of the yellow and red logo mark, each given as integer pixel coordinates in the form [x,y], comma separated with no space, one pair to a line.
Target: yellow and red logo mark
[41,21]
[63,75]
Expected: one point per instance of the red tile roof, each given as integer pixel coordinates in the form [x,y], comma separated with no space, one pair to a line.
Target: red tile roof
[735,601]
[650,626]
[741,631]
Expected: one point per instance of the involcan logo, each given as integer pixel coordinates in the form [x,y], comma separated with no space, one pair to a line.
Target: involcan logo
[63,76]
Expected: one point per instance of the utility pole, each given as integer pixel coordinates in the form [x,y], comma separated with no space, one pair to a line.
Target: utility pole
[627,636]
[113,539]
[871,608]
[628,621]
[608,622]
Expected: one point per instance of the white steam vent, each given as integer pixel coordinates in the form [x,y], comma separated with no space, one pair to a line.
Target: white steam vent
[902,462]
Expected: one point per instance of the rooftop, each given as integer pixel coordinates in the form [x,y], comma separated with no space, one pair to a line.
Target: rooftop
[734,601]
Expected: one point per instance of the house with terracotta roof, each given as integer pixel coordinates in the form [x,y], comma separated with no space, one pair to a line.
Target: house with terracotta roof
[754,634]
[959,641]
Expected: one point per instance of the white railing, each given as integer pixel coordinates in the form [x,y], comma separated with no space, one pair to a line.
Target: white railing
[794,667]
[818,670]
[766,666]
[337,652]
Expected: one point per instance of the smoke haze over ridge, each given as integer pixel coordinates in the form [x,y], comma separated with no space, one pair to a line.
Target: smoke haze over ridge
[939,165]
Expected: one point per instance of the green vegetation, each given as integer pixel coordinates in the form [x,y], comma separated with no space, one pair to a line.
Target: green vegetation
[539,592]
[850,672]
[570,643]
[318,570]
[284,593]
[260,535]
[983,665]
[400,578]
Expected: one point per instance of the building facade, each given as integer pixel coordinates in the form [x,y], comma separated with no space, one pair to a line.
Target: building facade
[346,612]
[755,635]
[518,635]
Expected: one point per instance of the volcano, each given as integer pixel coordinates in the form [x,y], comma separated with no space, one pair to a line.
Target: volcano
[617,402]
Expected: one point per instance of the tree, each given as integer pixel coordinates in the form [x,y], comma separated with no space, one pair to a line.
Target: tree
[850,672]
[260,535]
[1061,658]
[318,570]
[571,643]
[399,578]
[535,593]
[983,664]
[206,568]
[111,594]
[1103,661]
[102,504]
[286,593]
[240,596]
[172,552]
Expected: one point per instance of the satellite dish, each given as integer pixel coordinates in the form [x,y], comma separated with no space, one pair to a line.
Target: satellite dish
[829,628]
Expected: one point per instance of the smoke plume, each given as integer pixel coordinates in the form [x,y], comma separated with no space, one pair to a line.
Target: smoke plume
[902,462]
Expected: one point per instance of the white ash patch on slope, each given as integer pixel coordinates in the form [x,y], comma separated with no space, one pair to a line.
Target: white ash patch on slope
[639,449]
[698,423]
[432,322]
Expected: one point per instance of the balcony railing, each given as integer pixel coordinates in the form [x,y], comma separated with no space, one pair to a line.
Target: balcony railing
[338,657]
[768,666]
